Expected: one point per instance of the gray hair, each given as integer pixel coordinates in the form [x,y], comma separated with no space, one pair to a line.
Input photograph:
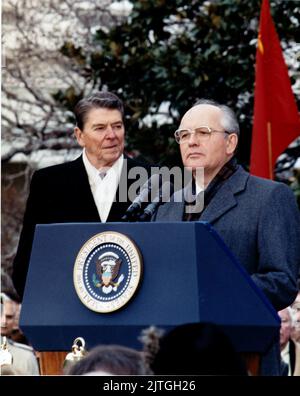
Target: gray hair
[100,99]
[229,120]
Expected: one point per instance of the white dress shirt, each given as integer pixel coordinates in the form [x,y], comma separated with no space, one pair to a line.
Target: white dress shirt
[103,189]
[285,355]
[199,189]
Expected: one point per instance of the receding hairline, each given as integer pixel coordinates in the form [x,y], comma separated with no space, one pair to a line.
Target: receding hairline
[197,106]
[228,118]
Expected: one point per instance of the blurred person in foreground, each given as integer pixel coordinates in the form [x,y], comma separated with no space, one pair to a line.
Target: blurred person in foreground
[258,219]
[23,359]
[110,360]
[7,288]
[191,349]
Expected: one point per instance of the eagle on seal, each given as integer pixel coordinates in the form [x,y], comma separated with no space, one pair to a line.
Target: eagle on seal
[107,269]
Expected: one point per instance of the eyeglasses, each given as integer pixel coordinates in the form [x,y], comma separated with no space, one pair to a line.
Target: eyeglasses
[202,134]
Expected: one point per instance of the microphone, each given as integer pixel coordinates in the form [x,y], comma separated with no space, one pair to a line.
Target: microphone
[164,195]
[152,184]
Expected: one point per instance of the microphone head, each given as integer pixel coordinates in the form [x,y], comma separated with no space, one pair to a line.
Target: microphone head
[164,195]
[148,189]
[166,192]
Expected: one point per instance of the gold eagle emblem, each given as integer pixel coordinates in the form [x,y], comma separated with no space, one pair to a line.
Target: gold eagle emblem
[107,270]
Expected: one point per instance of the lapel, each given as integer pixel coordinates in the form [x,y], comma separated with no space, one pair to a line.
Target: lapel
[225,199]
[82,190]
[172,211]
[84,198]
[119,208]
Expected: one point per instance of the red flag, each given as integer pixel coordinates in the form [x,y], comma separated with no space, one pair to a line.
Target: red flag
[276,119]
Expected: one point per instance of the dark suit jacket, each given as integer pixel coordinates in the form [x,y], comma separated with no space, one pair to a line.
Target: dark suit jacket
[62,194]
[292,356]
[259,221]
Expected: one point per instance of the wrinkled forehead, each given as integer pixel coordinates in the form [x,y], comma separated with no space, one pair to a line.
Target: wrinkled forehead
[102,115]
[200,115]
[8,306]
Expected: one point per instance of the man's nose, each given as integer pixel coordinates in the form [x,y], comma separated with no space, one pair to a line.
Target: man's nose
[193,139]
[110,132]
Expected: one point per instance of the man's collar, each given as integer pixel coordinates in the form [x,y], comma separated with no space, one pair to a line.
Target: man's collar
[91,170]
[286,349]
[94,172]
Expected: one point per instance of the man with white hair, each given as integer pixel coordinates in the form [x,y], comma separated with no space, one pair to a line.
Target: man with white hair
[21,357]
[258,219]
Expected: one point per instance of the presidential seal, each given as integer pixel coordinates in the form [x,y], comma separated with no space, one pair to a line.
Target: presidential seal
[107,271]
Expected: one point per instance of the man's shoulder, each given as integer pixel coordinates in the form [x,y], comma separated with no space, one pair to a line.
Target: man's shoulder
[266,185]
[59,169]
[265,192]
[135,162]
[256,184]
[22,348]
[24,358]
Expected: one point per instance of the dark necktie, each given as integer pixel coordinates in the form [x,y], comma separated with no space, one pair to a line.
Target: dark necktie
[102,174]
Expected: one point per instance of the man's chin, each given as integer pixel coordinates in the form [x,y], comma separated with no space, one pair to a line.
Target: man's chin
[111,158]
[193,165]
[114,156]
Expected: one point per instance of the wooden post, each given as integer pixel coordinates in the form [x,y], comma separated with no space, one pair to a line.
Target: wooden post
[51,363]
[252,361]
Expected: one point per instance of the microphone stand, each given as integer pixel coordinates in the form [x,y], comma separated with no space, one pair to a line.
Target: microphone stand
[131,217]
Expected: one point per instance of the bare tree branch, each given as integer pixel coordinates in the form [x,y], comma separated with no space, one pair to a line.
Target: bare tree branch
[36,69]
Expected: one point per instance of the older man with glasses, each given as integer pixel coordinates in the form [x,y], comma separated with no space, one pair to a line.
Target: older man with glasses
[258,219]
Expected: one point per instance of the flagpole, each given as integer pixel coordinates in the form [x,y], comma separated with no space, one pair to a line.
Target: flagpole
[275,108]
[270,149]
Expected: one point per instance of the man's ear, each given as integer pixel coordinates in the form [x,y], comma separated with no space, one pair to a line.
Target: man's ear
[232,142]
[79,136]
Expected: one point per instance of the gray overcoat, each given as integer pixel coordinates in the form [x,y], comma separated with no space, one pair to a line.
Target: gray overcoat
[259,221]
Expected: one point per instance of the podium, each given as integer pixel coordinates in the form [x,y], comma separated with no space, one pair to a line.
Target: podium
[189,275]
